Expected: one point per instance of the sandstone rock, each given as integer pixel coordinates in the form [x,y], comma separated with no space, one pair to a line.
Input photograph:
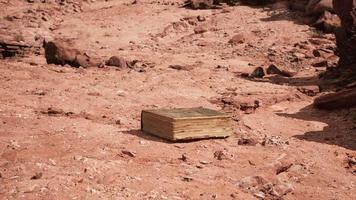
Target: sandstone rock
[60,52]
[342,99]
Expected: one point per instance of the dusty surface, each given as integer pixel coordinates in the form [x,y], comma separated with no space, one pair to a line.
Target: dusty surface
[73,133]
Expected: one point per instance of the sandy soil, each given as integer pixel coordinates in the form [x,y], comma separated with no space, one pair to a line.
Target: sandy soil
[73,133]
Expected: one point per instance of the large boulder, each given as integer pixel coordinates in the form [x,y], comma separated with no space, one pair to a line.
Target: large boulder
[61,52]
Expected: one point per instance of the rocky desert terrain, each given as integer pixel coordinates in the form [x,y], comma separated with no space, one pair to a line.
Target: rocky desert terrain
[75,76]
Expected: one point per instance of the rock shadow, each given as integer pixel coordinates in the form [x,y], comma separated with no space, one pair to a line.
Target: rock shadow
[340,129]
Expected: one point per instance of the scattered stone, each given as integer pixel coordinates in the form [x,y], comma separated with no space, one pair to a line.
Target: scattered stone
[199,166]
[298,56]
[283,168]
[95,94]
[254,184]
[221,155]
[200,29]
[247,141]
[264,189]
[351,163]
[183,158]
[251,163]
[281,189]
[181,67]
[187,178]
[39,92]
[52,162]
[128,153]
[273,69]
[273,140]
[53,111]
[201,18]
[37,176]
[204,162]
[237,39]
[116,61]
[258,73]
[249,107]
[310,90]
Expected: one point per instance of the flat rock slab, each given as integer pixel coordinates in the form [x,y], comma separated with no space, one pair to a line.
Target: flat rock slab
[186,123]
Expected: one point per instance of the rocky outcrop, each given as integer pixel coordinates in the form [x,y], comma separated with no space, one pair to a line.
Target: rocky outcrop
[12,49]
[346,34]
[346,43]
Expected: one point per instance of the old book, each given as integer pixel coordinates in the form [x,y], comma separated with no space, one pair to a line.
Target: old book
[186,123]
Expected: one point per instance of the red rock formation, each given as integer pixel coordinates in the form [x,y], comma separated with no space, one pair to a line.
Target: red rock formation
[346,35]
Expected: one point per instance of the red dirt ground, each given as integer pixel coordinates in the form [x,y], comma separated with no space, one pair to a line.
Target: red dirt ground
[78,148]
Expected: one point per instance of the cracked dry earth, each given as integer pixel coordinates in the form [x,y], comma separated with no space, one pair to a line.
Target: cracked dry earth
[73,133]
